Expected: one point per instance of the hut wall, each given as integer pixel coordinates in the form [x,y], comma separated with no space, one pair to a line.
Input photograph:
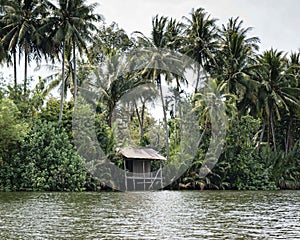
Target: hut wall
[138,166]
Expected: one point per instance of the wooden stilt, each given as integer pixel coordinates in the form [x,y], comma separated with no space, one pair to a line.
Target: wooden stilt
[161,179]
[144,175]
[133,184]
[125,175]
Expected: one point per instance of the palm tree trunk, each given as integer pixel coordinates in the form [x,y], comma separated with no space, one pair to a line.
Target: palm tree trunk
[269,130]
[198,78]
[273,132]
[25,68]
[165,118]
[74,74]
[202,134]
[140,117]
[62,83]
[261,135]
[288,136]
[111,114]
[15,68]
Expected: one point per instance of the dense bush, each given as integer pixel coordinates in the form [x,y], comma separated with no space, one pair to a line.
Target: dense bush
[12,132]
[240,166]
[47,161]
[13,129]
[50,113]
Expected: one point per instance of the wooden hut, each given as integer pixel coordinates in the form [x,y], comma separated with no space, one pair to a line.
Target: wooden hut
[137,166]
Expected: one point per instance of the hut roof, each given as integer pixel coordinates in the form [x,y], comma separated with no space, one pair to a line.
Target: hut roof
[142,153]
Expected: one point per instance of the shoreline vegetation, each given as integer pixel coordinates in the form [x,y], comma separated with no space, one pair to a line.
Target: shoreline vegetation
[259,90]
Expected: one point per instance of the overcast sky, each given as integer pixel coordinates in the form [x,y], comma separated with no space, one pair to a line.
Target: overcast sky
[275,22]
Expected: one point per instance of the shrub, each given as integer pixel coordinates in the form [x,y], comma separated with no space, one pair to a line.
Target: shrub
[50,160]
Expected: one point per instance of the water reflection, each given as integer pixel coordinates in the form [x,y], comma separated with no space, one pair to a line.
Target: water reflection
[150,215]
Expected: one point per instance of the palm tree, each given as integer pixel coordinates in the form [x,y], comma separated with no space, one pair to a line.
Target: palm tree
[71,26]
[4,56]
[201,37]
[208,96]
[275,92]
[113,81]
[165,34]
[22,21]
[54,80]
[143,94]
[235,58]
[293,69]
[210,104]
[4,51]
[293,79]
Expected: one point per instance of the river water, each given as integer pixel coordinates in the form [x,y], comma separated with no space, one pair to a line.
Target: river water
[151,215]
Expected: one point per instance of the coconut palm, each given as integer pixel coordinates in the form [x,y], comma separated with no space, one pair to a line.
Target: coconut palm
[275,91]
[71,25]
[22,21]
[161,61]
[4,46]
[201,37]
[113,81]
[54,80]
[235,61]
[210,104]
[139,98]
[293,69]
[210,95]
[4,56]
[293,79]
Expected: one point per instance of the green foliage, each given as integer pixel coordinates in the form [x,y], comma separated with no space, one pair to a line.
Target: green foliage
[47,161]
[105,135]
[52,163]
[95,142]
[13,129]
[174,132]
[109,41]
[91,131]
[240,166]
[27,103]
[50,113]
[244,170]
[285,168]
[2,87]
[138,138]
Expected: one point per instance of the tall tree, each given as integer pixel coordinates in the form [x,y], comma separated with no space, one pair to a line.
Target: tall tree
[275,92]
[22,21]
[113,82]
[236,57]
[293,81]
[164,36]
[71,24]
[200,43]
[4,56]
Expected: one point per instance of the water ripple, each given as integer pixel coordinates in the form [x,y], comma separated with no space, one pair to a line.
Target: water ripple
[151,215]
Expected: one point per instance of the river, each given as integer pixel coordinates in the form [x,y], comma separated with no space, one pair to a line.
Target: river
[151,215]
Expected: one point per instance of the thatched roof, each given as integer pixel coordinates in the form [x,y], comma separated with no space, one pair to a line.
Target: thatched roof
[142,154]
